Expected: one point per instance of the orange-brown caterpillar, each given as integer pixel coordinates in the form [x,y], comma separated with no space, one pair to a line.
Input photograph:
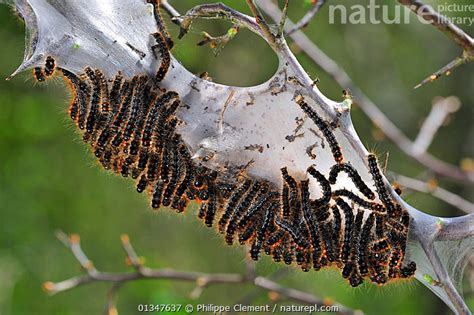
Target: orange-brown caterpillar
[162,48]
[130,123]
[353,175]
[324,126]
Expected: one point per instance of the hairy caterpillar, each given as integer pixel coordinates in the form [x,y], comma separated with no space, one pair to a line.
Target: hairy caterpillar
[131,125]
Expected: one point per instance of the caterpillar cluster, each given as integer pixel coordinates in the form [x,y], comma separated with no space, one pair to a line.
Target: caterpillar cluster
[131,127]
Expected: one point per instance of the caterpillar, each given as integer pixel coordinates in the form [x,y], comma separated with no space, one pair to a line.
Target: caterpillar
[353,175]
[324,126]
[132,127]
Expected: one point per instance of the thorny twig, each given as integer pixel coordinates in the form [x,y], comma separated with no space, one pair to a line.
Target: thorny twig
[454,32]
[446,70]
[202,280]
[370,109]
[442,23]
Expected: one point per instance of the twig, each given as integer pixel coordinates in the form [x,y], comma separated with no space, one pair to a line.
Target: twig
[454,32]
[442,23]
[202,280]
[439,112]
[111,307]
[132,257]
[284,15]
[446,282]
[438,192]
[296,295]
[217,43]
[73,242]
[446,70]
[306,19]
[370,109]
[176,18]
[247,299]
[260,20]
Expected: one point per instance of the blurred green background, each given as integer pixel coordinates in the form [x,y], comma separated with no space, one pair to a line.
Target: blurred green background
[49,180]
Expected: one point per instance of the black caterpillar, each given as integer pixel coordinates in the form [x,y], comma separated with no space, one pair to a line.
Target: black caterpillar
[130,125]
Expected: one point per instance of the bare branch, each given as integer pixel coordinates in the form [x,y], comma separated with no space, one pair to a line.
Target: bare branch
[132,257]
[296,295]
[175,16]
[111,307]
[252,295]
[438,192]
[446,70]
[442,23]
[202,280]
[306,19]
[73,242]
[441,109]
[454,32]
[281,28]
[370,109]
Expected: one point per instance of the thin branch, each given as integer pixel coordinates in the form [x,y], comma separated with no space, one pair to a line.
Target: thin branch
[261,22]
[442,23]
[296,295]
[306,19]
[202,280]
[175,16]
[370,109]
[441,109]
[111,307]
[446,70]
[73,242]
[438,192]
[132,257]
[454,32]
[284,15]
[251,296]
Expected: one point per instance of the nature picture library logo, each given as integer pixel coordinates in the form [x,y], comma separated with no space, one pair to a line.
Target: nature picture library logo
[376,13]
